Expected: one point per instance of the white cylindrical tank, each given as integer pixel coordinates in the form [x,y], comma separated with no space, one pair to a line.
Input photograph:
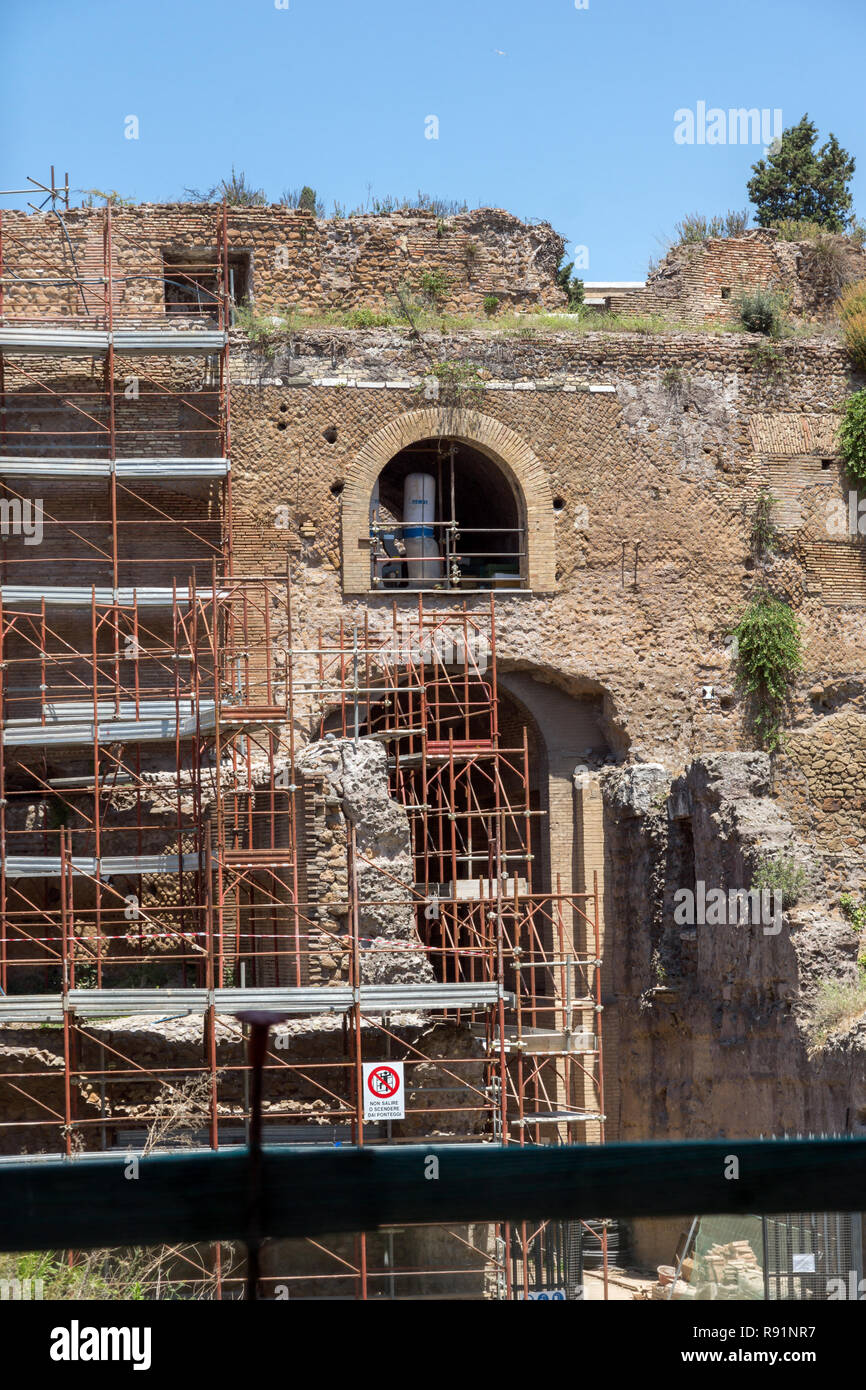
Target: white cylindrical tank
[423,561]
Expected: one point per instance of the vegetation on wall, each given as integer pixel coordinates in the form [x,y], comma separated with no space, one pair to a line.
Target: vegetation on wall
[855,911]
[235,189]
[457,384]
[696,226]
[434,285]
[767,358]
[763,535]
[110,195]
[797,181]
[852,315]
[303,198]
[676,383]
[802,229]
[263,330]
[368,318]
[768,656]
[779,873]
[761,311]
[852,436]
[571,284]
[838,1005]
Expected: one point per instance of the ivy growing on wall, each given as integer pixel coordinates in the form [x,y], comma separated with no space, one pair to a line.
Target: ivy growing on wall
[768,654]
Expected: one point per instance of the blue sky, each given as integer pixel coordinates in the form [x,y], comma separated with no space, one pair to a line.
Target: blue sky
[550,111]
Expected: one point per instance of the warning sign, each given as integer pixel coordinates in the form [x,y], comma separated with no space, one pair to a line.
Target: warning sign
[384,1098]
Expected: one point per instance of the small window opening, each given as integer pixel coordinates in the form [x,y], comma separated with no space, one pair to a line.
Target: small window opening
[337,489]
[330,434]
[826,463]
[192,280]
[558,504]
[444,516]
[726,292]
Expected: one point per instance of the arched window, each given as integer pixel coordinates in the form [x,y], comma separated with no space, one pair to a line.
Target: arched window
[443,516]
[495,530]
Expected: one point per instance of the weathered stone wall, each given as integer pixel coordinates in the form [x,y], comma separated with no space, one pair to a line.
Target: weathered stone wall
[654,452]
[295,262]
[715,1020]
[700,282]
[354,789]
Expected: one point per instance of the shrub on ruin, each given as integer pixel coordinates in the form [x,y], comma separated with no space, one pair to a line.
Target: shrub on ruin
[764,536]
[111,196]
[852,436]
[677,384]
[304,199]
[760,311]
[768,651]
[854,911]
[383,205]
[434,285]
[838,1005]
[831,250]
[857,233]
[779,873]
[696,226]
[491,304]
[235,189]
[768,359]
[852,315]
[798,229]
[368,318]
[458,384]
[264,331]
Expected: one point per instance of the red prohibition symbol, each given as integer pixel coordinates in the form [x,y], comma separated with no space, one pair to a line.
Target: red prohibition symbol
[383,1082]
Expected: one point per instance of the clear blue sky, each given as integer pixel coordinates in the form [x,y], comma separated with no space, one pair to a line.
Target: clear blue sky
[571,120]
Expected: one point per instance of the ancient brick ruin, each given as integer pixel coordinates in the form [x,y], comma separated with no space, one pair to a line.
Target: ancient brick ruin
[270,735]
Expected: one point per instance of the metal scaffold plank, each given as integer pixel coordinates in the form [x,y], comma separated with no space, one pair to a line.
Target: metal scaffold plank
[71,728]
[38,467]
[121,1003]
[42,341]
[67,596]
[51,866]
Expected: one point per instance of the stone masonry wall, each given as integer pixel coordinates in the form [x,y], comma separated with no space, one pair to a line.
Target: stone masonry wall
[700,282]
[654,450]
[352,785]
[295,261]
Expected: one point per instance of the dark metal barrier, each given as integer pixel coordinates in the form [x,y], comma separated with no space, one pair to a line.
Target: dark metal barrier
[92,1202]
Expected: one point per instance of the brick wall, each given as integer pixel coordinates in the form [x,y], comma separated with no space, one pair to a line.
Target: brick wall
[700,282]
[296,262]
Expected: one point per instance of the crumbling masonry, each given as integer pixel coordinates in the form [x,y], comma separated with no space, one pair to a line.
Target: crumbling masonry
[424,783]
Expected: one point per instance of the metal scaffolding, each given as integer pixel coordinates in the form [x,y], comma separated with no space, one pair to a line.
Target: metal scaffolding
[155,827]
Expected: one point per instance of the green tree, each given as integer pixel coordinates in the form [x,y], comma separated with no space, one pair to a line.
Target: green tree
[798,181]
[572,285]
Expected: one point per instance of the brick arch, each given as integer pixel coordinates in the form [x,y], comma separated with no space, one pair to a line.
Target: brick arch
[509,452]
